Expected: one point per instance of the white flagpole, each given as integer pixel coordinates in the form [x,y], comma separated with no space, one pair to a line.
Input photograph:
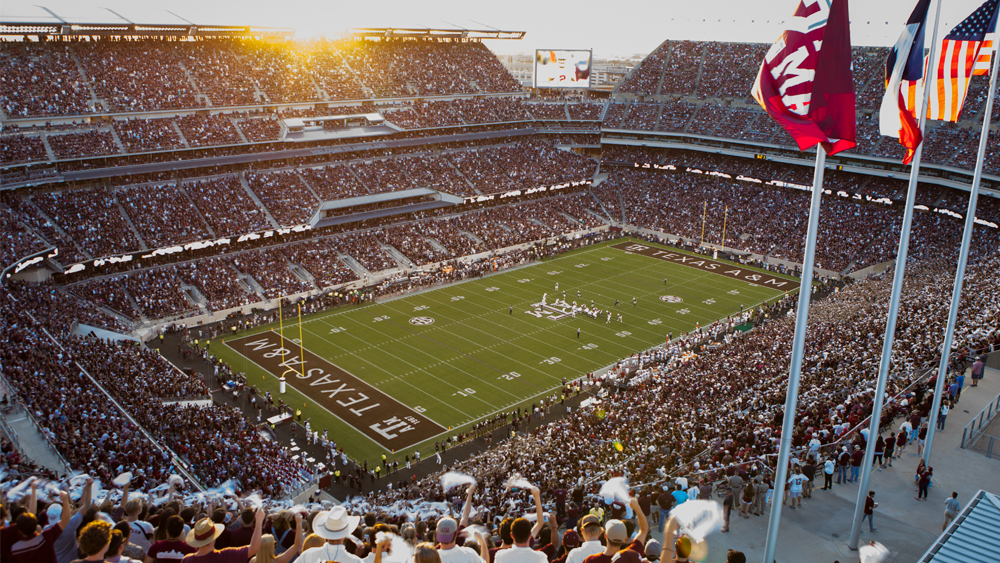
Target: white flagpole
[897,289]
[963,258]
[798,348]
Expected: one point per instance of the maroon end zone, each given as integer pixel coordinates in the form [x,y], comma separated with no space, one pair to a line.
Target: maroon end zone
[731,270]
[385,420]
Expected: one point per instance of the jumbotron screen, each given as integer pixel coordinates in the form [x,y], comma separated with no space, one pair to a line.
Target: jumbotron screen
[562,68]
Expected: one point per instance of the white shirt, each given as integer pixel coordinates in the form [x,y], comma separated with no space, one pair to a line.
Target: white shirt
[587,549]
[460,554]
[328,552]
[520,555]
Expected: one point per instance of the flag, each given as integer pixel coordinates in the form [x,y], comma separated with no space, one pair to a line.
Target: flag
[963,53]
[805,81]
[904,70]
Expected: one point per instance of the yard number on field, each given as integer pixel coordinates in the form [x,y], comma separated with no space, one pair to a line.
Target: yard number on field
[734,292]
[382,318]
[623,333]
[458,298]
[510,376]
[551,361]
[464,392]
[337,329]
[554,273]
[709,301]
[524,280]
[492,289]
[421,308]
[655,322]
[683,311]
[590,346]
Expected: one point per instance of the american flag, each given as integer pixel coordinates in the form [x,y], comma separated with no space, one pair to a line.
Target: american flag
[965,52]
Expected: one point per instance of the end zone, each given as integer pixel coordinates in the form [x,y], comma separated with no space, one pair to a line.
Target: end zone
[385,420]
[731,270]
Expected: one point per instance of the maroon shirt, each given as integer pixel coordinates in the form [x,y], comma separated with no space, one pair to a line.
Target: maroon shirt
[634,553]
[39,548]
[169,551]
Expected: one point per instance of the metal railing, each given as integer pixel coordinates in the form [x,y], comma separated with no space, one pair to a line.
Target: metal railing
[973,437]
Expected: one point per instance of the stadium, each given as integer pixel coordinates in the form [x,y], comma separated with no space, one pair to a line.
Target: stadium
[278,283]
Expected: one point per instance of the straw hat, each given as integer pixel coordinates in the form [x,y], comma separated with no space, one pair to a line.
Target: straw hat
[204,533]
[335,524]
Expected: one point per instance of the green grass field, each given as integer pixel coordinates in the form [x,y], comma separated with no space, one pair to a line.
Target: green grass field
[478,358]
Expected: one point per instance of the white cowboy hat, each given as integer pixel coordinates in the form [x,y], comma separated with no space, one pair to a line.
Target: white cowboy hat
[335,524]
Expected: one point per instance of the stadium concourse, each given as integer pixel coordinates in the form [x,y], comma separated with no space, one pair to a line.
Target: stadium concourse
[183,214]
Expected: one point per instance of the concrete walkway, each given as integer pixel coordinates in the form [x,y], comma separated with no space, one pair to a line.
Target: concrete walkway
[32,442]
[819,531]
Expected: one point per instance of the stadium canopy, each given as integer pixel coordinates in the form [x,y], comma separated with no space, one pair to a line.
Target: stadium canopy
[427,33]
[972,536]
[69,29]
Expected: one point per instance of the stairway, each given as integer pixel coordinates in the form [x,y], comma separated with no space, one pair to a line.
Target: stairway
[32,441]
[257,201]
[128,220]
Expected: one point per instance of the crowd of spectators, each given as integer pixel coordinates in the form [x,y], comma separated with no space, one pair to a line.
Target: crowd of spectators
[163,214]
[41,79]
[283,194]
[17,240]
[321,260]
[48,370]
[19,148]
[144,135]
[522,165]
[270,269]
[365,249]
[769,220]
[31,216]
[207,130]
[80,145]
[92,218]
[135,76]
[227,207]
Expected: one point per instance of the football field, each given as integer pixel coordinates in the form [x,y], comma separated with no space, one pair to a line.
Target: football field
[400,374]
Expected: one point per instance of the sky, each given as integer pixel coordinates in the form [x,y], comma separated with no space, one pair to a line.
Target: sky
[615,29]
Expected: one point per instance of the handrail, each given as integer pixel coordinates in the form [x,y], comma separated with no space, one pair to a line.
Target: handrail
[975,425]
[30,416]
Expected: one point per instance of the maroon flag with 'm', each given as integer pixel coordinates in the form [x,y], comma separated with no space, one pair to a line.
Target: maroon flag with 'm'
[805,81]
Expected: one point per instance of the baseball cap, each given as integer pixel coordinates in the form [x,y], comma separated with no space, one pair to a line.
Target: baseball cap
[615,531]
[653,548]
[571,539]
[589,519]
[446,528]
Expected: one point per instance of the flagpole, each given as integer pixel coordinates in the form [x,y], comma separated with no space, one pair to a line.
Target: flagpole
[963,257]
[798,348]
[897,290]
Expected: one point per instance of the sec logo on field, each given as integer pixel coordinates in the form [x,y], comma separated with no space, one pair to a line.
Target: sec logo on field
[421,321]
[670,299]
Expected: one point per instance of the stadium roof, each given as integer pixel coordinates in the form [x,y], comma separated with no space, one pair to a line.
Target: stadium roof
[427,33]
[70,29]
[972,536]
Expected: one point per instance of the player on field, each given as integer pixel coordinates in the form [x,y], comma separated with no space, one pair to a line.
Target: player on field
[633,301]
